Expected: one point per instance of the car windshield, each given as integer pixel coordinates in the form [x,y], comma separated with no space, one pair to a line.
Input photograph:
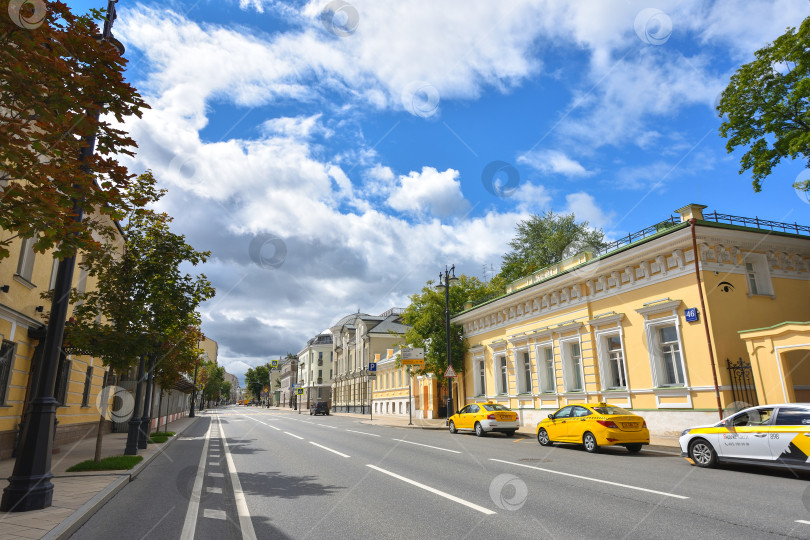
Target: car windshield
[495,407]
[609,409]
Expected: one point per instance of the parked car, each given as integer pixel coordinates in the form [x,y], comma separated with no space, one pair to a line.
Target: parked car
[594,425]
[484,418]
[320,407]
[772,435]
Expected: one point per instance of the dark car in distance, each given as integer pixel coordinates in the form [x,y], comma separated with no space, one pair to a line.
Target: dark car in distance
[320,407]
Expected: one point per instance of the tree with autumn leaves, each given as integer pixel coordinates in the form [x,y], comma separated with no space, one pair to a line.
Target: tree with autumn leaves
[60,86]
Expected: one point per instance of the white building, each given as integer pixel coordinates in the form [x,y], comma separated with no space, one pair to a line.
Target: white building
[315,369]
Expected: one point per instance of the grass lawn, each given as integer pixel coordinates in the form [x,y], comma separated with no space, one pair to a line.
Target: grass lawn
[112,463]
[160,436]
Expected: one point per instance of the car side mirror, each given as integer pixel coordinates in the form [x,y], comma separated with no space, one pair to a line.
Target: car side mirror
[551,415]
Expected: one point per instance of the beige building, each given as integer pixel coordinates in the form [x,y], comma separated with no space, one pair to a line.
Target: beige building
[315,369]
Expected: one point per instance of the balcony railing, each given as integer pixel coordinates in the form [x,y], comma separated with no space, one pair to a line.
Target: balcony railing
[757,223]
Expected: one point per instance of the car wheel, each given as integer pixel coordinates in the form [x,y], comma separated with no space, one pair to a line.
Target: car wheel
[590,442]
[479,430]
[453,427]
[634,448]
[310,413]
[702,453]
[542,438]
[510,433]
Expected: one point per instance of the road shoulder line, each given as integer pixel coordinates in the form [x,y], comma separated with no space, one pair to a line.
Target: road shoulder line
[245,522]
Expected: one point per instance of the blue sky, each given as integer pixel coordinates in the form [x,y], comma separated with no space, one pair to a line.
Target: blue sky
[330,154]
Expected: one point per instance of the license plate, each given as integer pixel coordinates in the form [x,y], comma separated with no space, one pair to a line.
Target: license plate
[629,425]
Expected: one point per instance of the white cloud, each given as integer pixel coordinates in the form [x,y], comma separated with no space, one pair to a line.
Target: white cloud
[532,198]
[429,192]
[585,208]
[553,162]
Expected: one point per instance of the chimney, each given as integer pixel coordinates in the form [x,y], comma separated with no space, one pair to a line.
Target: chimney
[691,211]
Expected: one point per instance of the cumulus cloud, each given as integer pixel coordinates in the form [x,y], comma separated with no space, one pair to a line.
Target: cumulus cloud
[429,192]
[554,162]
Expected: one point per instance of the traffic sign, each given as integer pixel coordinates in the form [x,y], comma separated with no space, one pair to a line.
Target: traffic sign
[273,364]
[372,366]
[450,372]
[412,356]
[300,391]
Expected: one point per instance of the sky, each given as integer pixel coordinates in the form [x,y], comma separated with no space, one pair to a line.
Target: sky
[334,156]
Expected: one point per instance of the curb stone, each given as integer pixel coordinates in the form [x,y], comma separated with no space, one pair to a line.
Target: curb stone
[78,518]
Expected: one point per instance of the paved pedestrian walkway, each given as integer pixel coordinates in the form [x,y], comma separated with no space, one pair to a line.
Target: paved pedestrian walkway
[76,496]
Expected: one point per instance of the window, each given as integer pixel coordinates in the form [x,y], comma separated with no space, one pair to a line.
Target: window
[754,417]
[54,269]
[25,264]
[572,370]
[502,375]
[7,352]
[88,379]
[480,378]
[580,411]
[615,362]
[565,412]
[525,370]
[757,275]
[670,352]
[793,417]
[495,407]
[548,380]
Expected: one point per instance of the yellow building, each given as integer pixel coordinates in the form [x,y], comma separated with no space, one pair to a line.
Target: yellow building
[391,386]
[24,275]
[641,325]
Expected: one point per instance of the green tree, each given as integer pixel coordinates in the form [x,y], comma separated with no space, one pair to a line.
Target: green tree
[767,106]
[213,384]
[426,317]
[546,239]
[256,379]
[225,391]
[55,77]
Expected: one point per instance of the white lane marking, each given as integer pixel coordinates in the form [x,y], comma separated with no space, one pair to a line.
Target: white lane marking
[803,521]
[215,475]
[661,452]
[434,490]
[591,479]
[293,435]
[213,463]
[190,524]
[363,433]
[213,490]
[214,514]
[304,421]
[327,425]
[428,446]
[329,449]
[245,523]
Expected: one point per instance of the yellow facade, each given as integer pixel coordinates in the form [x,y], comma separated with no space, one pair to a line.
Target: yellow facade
[780,362]
[27,274]
[614,328]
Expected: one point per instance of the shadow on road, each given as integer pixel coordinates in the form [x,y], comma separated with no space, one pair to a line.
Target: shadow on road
[274,484]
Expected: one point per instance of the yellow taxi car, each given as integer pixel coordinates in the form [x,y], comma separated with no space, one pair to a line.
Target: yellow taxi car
[594,425]
[484,418]
[772,435]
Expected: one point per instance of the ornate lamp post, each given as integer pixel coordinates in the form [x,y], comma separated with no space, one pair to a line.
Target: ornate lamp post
[447,279]
[194,393]
[30,486]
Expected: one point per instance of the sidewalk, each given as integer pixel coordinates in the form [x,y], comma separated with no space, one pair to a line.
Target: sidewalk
[77,496]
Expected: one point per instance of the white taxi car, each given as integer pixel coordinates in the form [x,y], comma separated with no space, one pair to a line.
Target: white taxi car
[774,435]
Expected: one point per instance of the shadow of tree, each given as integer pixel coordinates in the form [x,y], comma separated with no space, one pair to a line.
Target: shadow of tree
[242,446]
[276,484]
[264,529]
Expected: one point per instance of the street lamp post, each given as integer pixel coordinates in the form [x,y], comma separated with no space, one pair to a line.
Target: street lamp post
[30,486]
[194,393]
[445,281]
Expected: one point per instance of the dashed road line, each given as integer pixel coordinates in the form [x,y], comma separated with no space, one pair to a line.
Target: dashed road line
[590,479]
[428,446]
[329,449]
[453,498]
[190,523]
[245,523]
[327,425]
[363,433]
[215,514]
[293,435]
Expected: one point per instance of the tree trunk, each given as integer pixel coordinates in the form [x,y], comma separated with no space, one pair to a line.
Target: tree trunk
[160,407]
[102,417]
[166,422]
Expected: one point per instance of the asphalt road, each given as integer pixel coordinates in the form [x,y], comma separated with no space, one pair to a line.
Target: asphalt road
[252,473]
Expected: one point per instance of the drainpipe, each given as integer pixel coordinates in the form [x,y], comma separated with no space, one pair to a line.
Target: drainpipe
[705,320]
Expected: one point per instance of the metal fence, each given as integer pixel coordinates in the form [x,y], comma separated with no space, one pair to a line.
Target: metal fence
[743,389]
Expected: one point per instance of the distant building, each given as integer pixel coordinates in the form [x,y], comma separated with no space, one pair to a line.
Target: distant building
[289,379]
[315,369]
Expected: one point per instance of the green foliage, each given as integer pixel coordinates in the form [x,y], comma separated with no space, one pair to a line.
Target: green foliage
[53,80]
[214,379]
[767,106]
[256,379]
[547,239]
[112,463]
[426,317]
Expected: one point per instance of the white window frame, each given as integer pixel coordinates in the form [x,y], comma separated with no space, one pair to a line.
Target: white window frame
[520,372]
[761,275]
[603,353]
[480,378]
[499,365]
[542,367]
[653,346]
[25,263]
[567,365]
